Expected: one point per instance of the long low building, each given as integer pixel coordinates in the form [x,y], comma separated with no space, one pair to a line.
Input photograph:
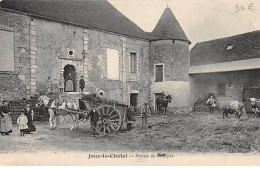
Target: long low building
[228,67]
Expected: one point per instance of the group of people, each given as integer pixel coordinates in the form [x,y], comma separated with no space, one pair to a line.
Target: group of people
[24,121]
[68,86]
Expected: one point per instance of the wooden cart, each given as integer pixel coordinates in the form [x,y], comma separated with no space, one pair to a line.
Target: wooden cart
[112,114]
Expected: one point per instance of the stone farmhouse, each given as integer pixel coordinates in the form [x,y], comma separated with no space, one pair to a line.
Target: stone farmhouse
[45,42]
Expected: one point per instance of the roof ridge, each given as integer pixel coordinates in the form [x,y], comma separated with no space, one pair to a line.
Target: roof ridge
[237,35]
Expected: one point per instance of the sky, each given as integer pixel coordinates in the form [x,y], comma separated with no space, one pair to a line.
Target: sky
[201,20]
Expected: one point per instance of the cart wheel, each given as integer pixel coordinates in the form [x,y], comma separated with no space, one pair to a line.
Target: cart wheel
[109,119]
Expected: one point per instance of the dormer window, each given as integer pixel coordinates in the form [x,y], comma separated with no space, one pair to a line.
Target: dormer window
[230,47]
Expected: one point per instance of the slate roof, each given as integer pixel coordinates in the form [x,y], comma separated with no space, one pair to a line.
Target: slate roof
[168,28]
[234,48]
[99,14]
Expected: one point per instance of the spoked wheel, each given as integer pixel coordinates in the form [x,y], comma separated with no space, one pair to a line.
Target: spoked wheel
[110,119]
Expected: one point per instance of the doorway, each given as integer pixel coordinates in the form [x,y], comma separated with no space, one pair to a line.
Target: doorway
[133,99]
[69,75]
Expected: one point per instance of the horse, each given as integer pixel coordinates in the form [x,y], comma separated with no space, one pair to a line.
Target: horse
[58,107]
[162,104]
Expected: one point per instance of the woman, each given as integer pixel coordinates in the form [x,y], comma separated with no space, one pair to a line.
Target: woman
[6,121]
[69,84]
[29,114]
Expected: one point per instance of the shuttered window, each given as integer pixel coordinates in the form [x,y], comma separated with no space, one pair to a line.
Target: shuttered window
[6,50]
[158,73]
[133,63]
[112,64]
[221,89]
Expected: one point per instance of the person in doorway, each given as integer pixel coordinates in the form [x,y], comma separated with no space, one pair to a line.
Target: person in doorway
[69,84]
[81,83]
[61,84]
[22,123]
[145,111]
[163,96]
[29,114]
[6,121]
[211,103]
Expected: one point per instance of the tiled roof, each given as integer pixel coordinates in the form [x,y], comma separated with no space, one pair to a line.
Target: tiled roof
[239,47]
[168,28]
[98,14]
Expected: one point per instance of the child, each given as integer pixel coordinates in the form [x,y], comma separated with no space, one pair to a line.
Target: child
[22,123]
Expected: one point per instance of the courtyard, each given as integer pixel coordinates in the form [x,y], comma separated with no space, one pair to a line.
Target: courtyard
[195,132]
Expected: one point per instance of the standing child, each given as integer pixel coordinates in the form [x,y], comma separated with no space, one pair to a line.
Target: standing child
[22,123]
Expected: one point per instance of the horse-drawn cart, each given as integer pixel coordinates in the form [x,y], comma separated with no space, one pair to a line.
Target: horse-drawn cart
[111,114]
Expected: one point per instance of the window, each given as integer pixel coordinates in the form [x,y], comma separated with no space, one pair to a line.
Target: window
[6,50]
[158,73]
[221,89]
[133,63]
[112,64]
[71,52]
[230,47]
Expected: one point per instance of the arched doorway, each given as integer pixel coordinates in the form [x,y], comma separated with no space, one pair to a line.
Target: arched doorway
[69,75]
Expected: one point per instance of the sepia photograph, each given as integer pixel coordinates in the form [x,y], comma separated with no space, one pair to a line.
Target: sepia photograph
[129,82]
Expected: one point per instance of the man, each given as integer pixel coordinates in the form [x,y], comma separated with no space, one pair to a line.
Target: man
[81,84]
[130,117]
[211,103]
[163,96]
[145,111]
[6,121]
[61,84]
[93,114]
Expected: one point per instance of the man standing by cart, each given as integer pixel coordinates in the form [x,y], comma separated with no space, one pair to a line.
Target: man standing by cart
[93,114]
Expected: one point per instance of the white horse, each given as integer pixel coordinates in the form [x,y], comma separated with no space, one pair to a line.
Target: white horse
[58,107]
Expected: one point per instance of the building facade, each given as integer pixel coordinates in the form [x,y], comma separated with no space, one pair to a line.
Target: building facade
[228,67]
[41,48]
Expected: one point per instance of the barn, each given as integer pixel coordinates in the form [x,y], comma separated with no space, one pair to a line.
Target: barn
[228,67]
[43,43]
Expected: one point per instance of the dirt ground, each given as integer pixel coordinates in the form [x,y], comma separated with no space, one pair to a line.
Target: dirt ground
[190,132]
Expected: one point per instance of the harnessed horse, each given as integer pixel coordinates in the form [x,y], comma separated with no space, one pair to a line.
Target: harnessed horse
[58,107]
[162,104]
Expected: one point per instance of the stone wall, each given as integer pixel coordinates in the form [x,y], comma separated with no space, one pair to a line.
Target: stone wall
[175,59]
[96,66]
[14,85]
[53,40]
